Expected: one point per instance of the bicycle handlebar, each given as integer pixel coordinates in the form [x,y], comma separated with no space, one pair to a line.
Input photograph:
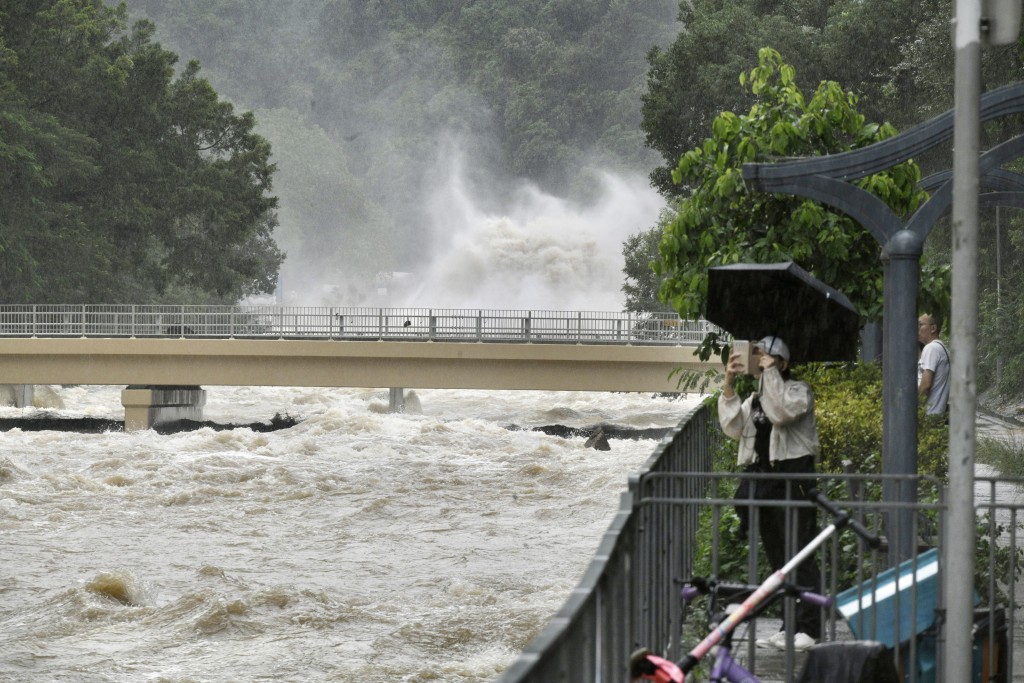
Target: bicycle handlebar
[815,599]
[842,518]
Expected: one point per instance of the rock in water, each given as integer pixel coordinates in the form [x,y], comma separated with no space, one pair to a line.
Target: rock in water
[598,441]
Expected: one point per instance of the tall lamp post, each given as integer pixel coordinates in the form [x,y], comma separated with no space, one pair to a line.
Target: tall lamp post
[995,22]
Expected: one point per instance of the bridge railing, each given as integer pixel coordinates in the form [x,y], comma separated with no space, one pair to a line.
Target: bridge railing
[392,324]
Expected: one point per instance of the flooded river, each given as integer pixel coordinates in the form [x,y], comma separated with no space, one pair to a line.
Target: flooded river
[354,546]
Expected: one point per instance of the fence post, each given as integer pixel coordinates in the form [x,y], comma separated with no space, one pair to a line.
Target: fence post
[479,325]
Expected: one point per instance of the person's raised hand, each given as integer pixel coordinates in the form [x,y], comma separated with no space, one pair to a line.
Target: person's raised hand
[734,367]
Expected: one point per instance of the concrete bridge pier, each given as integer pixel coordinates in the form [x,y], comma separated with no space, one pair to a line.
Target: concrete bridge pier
[146,406]
[17,395]
[396,400]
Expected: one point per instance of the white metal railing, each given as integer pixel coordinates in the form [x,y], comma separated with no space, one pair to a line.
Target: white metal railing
[391,324]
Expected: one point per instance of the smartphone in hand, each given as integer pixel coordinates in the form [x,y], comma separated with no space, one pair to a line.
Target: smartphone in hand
[747,362]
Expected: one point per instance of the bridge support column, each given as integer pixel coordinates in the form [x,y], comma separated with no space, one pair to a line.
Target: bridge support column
[17,395]
[146,406]
[396,400]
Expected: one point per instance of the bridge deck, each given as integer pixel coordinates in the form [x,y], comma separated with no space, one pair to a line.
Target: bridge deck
[279,346]
[436,365]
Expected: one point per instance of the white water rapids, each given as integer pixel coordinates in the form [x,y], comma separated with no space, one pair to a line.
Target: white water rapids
[355,546]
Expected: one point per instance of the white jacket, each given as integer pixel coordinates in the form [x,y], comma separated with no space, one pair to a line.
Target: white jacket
[789,405]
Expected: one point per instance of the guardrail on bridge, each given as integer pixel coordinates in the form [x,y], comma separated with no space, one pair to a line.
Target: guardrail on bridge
[390,324]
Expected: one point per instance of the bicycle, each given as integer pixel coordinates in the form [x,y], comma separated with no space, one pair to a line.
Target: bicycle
[645,665]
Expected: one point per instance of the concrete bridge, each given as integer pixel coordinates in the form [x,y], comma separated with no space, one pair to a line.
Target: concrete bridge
[163,354]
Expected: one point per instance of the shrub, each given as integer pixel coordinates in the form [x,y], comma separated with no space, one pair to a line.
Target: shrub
[849,411]
[1006,455]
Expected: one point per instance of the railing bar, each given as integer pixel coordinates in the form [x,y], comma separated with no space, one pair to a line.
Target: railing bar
[507,325]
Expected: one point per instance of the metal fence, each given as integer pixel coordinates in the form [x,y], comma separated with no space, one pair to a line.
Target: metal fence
[391,324]
[592,636]
[678,520]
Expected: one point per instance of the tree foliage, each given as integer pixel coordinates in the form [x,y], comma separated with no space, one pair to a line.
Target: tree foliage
[896,57]
[120,182]
[887,52]
[639,252]
[721,222]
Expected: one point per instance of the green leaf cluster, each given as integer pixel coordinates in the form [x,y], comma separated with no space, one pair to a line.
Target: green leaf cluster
[118,181]
[721,222]
[639,252]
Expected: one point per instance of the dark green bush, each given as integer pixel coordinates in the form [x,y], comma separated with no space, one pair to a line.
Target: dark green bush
[849,411]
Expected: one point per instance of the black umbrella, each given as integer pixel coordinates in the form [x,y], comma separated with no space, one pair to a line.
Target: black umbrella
[752,300]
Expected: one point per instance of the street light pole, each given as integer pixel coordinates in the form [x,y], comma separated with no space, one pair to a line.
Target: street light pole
[960,525]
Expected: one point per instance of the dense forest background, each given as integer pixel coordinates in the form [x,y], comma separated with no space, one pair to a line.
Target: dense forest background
[375,107]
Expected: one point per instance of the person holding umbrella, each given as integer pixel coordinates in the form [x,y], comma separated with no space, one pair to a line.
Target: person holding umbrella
[777,434]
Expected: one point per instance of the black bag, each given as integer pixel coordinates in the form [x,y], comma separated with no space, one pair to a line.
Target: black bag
[851,661]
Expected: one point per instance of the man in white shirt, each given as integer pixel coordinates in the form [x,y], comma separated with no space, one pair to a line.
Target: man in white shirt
[933,366]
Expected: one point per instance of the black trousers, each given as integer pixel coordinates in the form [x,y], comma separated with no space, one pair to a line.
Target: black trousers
[775,522]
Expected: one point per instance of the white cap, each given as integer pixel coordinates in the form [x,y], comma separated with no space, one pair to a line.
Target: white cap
[774,346]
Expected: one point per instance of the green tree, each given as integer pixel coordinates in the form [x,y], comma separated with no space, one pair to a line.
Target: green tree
[119,181]
[552,84]
[640,251]
[722,222]
[882,50]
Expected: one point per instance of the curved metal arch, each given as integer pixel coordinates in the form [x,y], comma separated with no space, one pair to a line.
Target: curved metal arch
[864,207]
[886,153]
[999,179]
[1001,198]
[940,202]
[872,213]
[1013,200]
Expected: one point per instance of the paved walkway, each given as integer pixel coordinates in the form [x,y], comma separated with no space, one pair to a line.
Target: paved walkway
[1009,493]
